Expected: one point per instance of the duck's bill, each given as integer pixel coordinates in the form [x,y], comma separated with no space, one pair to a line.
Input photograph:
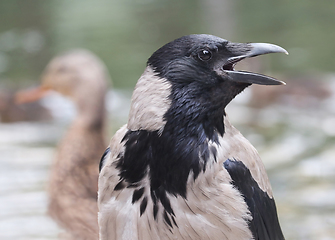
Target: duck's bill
[30,95]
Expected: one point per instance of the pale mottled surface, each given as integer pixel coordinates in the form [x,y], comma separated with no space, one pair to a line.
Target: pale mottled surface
[150,101]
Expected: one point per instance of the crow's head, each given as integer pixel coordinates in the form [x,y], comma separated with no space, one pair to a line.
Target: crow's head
[203,62]
[190,81]
[196,74]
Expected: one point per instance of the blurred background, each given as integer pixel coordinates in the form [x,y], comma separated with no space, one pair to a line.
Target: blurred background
[292,126]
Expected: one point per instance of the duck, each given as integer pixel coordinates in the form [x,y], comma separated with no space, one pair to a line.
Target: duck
[73,184]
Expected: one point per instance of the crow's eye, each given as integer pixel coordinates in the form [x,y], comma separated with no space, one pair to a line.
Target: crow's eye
[204,55]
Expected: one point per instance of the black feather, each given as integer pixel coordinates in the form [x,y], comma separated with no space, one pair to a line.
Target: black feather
[102,161]
[137,195]
[167,219]
[167,159]
[155,211]
[143,205]
[264,224]
[121,185]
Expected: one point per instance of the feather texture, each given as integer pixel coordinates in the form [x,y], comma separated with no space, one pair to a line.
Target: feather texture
[212,209]
[167,175]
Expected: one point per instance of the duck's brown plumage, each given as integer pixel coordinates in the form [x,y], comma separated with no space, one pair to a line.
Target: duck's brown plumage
[74,174]
[73,182]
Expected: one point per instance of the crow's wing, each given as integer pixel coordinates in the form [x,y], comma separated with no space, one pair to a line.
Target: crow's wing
[264,224]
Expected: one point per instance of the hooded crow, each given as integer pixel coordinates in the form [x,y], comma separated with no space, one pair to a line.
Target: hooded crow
[179,169]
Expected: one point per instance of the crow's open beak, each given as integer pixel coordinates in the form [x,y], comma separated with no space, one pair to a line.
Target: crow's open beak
[255,49]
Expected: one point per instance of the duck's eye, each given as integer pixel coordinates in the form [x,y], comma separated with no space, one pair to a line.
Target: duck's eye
[204,55]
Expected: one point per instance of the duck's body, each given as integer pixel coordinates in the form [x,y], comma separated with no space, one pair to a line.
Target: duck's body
[74,174]
[73,182]
[73,186]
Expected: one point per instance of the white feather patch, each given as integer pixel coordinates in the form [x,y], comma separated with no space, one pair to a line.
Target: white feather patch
[149,102]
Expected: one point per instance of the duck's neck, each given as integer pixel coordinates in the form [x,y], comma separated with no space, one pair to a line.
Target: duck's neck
[90,102]
[91,114]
